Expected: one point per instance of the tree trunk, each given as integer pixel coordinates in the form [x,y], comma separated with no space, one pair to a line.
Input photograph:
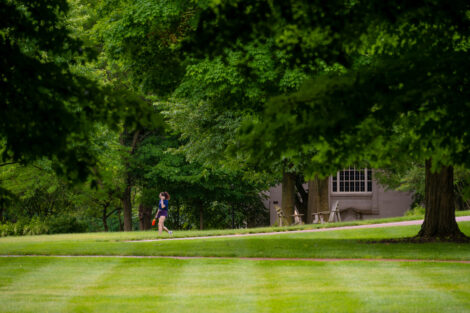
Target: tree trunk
[233,216]
[178,225]
[301,199]
[318,196]
[439,219]
[288,196]
[145,217]
[104,218]
[201,216]
[120,221]
[126,196]
[127,208]
[311,201]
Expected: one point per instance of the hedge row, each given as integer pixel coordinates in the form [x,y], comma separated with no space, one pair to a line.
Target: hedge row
[37,226]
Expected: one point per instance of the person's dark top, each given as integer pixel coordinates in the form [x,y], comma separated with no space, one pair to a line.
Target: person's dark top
[165,203]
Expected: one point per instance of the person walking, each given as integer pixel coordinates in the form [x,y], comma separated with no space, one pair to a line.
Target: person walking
[162,212]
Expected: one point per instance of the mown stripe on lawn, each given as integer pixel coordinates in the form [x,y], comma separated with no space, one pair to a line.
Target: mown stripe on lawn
[405,283]
[224,285]
[236,258]
[10,270]
[171,285]
[367,285]
[451,294]
[131,284]
[217,286]
[237,285]
[277,279]
[302,287]
[246,274]
[44,287]
[177,297]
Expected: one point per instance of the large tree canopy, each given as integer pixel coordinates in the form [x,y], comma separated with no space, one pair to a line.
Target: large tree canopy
[292,86]
[404,96]
[407,60]
[47,108]
[226,59]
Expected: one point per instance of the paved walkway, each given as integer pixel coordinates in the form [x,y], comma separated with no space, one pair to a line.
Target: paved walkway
[393,224]
[235,258]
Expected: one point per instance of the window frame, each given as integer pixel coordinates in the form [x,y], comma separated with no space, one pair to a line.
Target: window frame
[338,192]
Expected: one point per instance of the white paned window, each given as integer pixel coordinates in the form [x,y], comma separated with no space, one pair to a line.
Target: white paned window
[352,180]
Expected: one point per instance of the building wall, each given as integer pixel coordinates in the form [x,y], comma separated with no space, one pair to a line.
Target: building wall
[394,203]
[274,198]
[379,203]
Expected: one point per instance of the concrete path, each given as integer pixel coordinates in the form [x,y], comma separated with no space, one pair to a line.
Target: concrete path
[393,224]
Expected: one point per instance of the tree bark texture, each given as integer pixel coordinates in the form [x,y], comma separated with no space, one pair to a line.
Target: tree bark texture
[301,199]
[318,197]
[121,228]
[127,208]
[106,215]
[126,196]
[178,224]
[104,218]
[439,220]
[145,216]
[288,196]
[201,216]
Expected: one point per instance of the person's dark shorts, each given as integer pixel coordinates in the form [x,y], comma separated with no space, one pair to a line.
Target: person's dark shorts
[162,213]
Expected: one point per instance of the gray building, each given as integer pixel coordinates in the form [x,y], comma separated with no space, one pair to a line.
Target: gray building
[359,195]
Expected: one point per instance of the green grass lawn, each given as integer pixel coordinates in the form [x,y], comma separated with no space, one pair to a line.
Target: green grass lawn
[108,284]
[353,243]
[48,284]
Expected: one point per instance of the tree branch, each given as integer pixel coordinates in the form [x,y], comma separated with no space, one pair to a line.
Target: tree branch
[39,168]
[9,163]
[110,213]
[300,188]
[135,140]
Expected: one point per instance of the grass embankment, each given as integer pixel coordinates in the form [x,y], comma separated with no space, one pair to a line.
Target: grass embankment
[352,243]
[153,234]
[166,285]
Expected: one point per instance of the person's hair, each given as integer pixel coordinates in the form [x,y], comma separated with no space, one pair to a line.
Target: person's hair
[165,194]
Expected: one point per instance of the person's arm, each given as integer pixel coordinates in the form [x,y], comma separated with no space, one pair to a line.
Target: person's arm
[163,204]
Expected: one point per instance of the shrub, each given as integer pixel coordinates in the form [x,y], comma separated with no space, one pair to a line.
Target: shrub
[36,226]
[65,224]
[415,211]
[5,229]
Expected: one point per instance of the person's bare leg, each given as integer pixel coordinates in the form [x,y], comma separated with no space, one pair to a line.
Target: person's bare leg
[161,225]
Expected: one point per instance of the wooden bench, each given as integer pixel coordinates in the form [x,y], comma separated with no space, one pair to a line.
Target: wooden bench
[361,212]
[281,215]
[334,214]
[297,218]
